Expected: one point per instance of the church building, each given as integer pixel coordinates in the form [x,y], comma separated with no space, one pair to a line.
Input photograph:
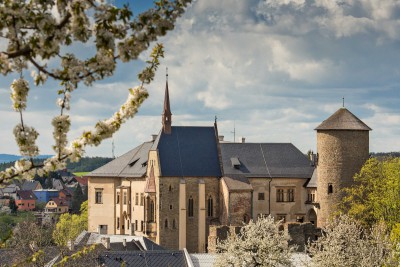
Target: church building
[172,188]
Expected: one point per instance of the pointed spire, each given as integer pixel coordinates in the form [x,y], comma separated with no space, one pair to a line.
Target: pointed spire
[151,182]
[166,115]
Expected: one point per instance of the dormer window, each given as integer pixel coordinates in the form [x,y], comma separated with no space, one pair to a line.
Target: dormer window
[133,162]
[235,162]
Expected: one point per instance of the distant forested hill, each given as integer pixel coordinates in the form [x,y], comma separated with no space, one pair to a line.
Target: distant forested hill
[86,164]
[4,158]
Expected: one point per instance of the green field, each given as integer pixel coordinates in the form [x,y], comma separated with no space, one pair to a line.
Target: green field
[80,173]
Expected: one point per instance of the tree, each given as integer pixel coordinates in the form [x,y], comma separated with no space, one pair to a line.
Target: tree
[77,199]
[345,242]
[259,243]
[376,195]
[12,205]
[70,226]
[28,237]
[40,33]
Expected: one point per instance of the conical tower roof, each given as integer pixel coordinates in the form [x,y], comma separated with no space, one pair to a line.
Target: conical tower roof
[343,120]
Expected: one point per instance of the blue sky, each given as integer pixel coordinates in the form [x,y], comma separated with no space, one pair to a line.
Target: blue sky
[274,68]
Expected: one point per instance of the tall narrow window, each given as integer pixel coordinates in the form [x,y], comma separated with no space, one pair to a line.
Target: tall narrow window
[124,198]
[210,207]
[117,222]
[279,195]
[170,188]
[166,223]
[141,226]
[190,207]
[290,195]
[137,199]
[118,196]
[136,225]
[152,210]
[330,188]
[173,224]
[98,196]
[141,199]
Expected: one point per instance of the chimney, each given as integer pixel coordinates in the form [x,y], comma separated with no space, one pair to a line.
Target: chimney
[243,140]
[71,245]
[124,242]
[154,137]
[106,242]
[220,138]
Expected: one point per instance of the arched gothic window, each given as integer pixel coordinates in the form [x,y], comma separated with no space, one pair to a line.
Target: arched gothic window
[173,224]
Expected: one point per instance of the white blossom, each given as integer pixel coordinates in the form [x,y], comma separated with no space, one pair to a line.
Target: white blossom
[259,243]
[19,94]
[25,137]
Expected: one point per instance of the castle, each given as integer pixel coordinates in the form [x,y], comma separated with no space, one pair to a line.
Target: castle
[172,188]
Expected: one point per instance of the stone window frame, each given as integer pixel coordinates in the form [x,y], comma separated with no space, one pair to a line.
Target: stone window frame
[173,224]
[261,196]
[118,197]
[166,223]
[98,195]
[311,195]
[141,199]
[137,199]
[285,194]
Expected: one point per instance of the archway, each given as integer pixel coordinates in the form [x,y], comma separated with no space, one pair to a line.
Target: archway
[312,217]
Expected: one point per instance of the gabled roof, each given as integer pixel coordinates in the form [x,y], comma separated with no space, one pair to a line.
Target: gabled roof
[82,180]
[26,195]
[265,160]
[343,119]
[29,185]
[189,151]
[131,164]
[150,182]
[59,202]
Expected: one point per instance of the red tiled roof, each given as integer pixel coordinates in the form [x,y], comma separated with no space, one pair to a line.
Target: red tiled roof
[59,202]
[83,180]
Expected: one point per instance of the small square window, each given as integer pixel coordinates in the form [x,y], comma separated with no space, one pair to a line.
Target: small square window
[261,196]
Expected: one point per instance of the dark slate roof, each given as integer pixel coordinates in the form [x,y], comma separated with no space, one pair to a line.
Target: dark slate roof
[26,194]
[343,119]
[131,164]
[265,160]
[189,151]
[143,258]
[29,185]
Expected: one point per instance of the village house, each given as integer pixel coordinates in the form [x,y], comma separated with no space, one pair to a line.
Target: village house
[187,178]
[57,205]
[25,200]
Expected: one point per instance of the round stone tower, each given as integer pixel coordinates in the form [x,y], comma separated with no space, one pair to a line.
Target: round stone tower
[343,148]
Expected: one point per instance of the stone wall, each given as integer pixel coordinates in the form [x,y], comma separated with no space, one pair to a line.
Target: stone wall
[300,234]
